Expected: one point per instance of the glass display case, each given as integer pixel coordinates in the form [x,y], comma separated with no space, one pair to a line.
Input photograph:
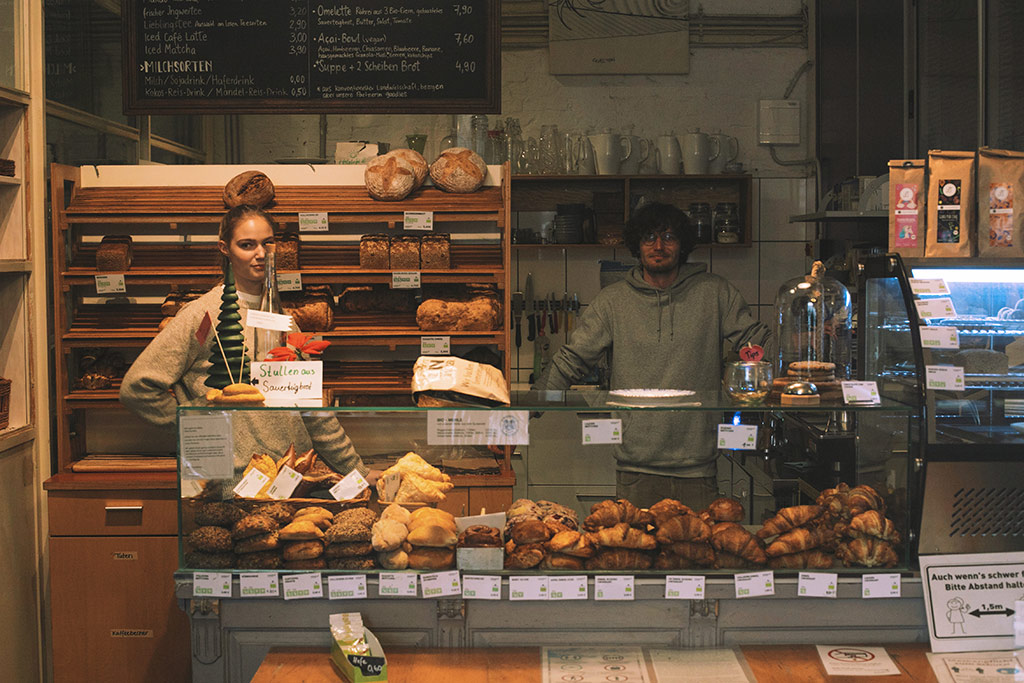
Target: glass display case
[794,455]
[948,333]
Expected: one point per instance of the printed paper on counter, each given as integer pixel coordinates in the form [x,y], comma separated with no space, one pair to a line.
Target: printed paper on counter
[478,427]
[258,585]
[817,584]
[935,308]
[601,432]
[211,585]
[527,588]
[110,284]
[436,346]
[440,584]
[350,486]
[418,220]
[737,437]
[880,586]
[976,667]
[861,393]
[397,584]
[480,587]
[754,584]
[251,484]
[568,588]
[944,377]
[684,587]
[346,587]
[290,383]
[303,586]
[405,279]
[940,337]
[719,665]
[593,663]
[289,282]
[206,446]
[310,221]
[920,285]
[284,484]
[841,660]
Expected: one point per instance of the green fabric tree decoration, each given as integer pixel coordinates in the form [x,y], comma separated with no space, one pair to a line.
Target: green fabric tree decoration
[231,348]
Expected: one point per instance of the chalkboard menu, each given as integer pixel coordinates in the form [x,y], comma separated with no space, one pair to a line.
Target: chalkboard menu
[311,56]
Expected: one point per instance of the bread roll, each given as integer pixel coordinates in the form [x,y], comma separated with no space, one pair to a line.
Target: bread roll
[388,534]
[431,558]
[301,530]
[432,536]
[458,169]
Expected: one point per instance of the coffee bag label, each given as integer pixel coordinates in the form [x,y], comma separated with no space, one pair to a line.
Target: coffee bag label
[906,212]
[948,205]
[1000,215]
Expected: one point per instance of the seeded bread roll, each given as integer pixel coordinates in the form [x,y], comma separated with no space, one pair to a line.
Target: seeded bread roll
[249,187]
[218,514]
[255,544]
[364,516]
[264,559]
[458,169]
[253,525]
[210,539]
[350,549]
[350,563]
[302,550]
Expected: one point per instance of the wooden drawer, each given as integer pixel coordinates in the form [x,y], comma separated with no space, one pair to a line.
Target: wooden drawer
[113,513]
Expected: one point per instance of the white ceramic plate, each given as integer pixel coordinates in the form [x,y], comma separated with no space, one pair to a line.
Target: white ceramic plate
[650,393]
[1017,427]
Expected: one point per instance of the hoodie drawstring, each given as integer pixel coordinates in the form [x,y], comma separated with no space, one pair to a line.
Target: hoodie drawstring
[671,314]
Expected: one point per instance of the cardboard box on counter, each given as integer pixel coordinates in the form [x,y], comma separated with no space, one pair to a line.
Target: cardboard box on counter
[361,668]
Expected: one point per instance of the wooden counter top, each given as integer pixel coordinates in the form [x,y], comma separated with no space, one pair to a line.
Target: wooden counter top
[768,663]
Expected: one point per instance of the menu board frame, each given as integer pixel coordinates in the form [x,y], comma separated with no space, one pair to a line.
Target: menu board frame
[485,98]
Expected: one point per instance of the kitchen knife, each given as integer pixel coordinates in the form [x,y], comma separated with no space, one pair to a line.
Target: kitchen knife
[517,313]
[553,308]
[530,304]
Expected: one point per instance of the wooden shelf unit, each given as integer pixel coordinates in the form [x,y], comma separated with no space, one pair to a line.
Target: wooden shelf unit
[174,231]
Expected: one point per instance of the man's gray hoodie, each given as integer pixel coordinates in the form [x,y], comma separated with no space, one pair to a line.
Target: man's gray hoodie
[674,338]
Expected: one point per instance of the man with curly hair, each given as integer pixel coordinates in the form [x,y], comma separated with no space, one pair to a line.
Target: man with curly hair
[668,325]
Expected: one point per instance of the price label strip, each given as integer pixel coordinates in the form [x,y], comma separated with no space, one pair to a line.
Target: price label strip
[737,437]
[880,586]
[435,346]
[817,585]
[418,220]
[350,486]
[755,584]
[944,377]
[405,279]
[601,432]
[290,282]
[211,585]
[259,585]
[440,584]
[346,587]
[861,393]
[284,483]
[480,587]
[527,588]
[935,308]
[303,586]
[110,284]
[684,587]
[928,286]
[939,337]
[313,222]
[568,588]
[397,585]
[614,588]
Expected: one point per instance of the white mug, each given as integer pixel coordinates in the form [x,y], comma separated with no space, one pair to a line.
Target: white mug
[641,149]
[697,153]
[729,149]
[610,150]
[668,155]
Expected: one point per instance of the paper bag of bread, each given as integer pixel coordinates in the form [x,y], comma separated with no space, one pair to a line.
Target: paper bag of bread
[451,381]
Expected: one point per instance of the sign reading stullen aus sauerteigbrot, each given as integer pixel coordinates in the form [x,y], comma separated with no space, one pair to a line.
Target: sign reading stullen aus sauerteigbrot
[311,56]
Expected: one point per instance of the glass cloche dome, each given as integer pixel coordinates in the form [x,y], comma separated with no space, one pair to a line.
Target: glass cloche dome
[814,329]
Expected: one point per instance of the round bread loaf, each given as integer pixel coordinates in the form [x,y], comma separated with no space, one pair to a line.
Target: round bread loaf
[218,514]
[210,539]
[389,178]
[249,187]
[302,550]
[282,513]
[253,544]
[431,558]
[264,559]
[420,167]
[252,525]
[364,516]
[348,549]
[458,169]
[350,563]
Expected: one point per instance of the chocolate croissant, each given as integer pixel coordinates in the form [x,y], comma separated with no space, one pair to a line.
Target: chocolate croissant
[571,543]
[789,518]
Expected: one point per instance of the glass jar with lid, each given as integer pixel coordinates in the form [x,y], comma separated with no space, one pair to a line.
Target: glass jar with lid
[727,223]
[700,220]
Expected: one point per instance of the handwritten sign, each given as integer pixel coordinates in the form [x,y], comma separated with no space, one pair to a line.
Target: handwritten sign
[290,383]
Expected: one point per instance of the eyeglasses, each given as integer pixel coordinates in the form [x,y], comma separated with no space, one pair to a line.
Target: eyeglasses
[667,237]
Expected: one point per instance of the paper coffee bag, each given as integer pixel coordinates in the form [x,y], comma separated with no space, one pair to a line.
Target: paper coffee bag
[1000,226]
[950,203]
[906,207]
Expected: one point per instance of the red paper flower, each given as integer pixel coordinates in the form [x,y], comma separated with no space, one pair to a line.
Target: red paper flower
[300,345]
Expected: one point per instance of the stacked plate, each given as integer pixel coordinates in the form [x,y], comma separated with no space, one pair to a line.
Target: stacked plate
[568,229]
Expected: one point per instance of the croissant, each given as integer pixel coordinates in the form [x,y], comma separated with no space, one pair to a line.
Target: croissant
[868,552]
[667,560]
[795,540]
[724,526]
[416,489]
[725,560]
[863,498]
[571,543]
[805,559]
[622,536]
[738,541]
[560,561]
[668,508]
[873,523]
[682,528]
[611,512]
[411,462]
[725,510]
[789,518]
[699,554]
[619,558]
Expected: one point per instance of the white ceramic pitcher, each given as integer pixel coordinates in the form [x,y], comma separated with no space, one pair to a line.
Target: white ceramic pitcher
[641,149]
[610,150]
[728,150]
[698,151]
[668,155]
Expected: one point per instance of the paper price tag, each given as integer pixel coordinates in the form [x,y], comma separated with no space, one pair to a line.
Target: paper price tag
[568,588]
[440,584]
[418,220]
[313,222]
[284,483]
[435,346]
[863,393]
[684,587]
[350,486]
[738,437]
[816,585]
[289,282]
[602,431]
[920,285]
[303,586]
[944,377]
[935,308]
[110,284]
[258,585]
[527,588]
[346,587]
[755,584]
[211,585]
[477,587]
[613,588]
[880,586]
[405,279]
[268,321]
[397,585]
[251,484]
[939,337]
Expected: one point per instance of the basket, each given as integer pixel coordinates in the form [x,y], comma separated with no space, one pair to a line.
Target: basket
[5,402]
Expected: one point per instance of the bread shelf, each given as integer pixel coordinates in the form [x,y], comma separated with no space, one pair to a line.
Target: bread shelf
[15,266]
[8,181]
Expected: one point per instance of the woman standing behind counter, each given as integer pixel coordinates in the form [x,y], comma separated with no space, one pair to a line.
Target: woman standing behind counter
[176,361]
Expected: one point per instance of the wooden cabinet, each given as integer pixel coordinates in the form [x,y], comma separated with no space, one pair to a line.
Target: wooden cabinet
[613,197]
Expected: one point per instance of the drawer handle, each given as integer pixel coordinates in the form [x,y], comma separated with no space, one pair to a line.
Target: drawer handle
[123,508]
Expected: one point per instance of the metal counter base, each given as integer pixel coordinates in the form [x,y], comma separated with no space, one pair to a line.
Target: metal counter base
[231,636]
